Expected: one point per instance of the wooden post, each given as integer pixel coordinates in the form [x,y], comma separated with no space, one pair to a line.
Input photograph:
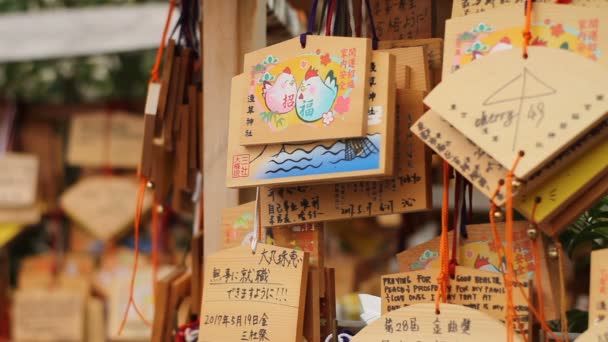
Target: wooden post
[230,28]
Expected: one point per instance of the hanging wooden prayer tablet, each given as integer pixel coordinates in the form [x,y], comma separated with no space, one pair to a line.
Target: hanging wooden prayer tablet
[106,140]
[598,289]
[19,179]
[293,93]
[237,225]
[48,315]
[480,290]
[465,7]
[408,191]
[420,323]
[354,158]
[254,295]
[573,180]
[395,19]
[571,28]
[513,104]
[104,206]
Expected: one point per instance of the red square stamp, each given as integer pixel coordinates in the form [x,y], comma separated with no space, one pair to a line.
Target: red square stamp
[240,166]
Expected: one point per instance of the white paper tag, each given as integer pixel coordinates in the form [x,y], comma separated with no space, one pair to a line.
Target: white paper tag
[152,98]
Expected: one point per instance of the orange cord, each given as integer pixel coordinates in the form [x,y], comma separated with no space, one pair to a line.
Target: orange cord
[161,47]
[443,279]
[509,256]
[500,250]
[528,28]
[537,276]
[140,200]
[562,288]
[141,192]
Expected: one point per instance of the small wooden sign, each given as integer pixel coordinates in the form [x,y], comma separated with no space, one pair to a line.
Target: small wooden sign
[468,159]
[408,191]
[572,28]
[593,193]
[18,180]
[106,140]
[396,19]
[465,7]
[104,206]
[254,295]
[420,323]
[433,48]
[293,93]
[237,225]
[307,237]
[598,292]
[574,179]
[478,251]
[48,315]
[369,156]
[416,58]
[479,290]
[508,100]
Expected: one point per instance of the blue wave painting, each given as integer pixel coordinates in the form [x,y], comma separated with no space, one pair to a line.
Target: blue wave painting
[342,156]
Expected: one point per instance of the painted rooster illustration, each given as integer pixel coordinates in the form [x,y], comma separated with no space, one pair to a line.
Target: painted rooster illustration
[280,96]
[315,96]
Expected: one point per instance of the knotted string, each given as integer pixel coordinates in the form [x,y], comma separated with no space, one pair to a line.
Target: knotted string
[161,47]
[143,182]
[311,23]
[500,251]
[509,248]
[443,280]
[375,39]
[527,33]
[140,199]
[458,205]
[562,288]
[331,8]
[538,279]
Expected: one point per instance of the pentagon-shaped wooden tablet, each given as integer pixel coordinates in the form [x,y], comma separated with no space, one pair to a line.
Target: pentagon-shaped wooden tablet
[538,105]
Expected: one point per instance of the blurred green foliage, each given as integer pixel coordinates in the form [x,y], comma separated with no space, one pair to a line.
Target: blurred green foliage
[105,77]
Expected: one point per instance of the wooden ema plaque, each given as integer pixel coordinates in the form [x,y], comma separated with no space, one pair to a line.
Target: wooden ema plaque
[105,140]
[433,48]
[48,315]
[465,7]
[19,179]
[408,191]
[478,251]
[420,323]
[595,333]
[598,292]
[396,19]
[307,237]
[571,28]
[574,179]
[415,58]
[299,94]
[479,290]
[254,296]
[508,111]
[104,206]
[237,225]
[484,172]
[285,163]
